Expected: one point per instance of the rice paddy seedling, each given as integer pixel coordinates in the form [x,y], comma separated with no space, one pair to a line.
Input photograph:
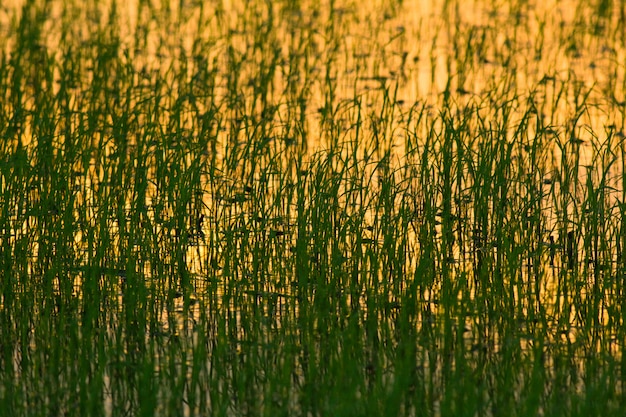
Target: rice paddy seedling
[305,208]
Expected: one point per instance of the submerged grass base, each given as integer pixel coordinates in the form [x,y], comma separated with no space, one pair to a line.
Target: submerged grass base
[294,208]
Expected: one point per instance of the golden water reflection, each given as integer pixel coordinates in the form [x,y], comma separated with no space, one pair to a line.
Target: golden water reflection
[259,159]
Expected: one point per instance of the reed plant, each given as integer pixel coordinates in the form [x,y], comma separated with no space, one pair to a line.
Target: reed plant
[304,208]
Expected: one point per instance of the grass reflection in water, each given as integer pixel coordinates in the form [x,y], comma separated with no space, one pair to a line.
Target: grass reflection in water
[301,208]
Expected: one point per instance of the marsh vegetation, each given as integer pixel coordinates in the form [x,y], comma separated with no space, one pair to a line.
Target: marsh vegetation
[312,208]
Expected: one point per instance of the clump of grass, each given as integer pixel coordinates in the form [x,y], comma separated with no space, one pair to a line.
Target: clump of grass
[257,209]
